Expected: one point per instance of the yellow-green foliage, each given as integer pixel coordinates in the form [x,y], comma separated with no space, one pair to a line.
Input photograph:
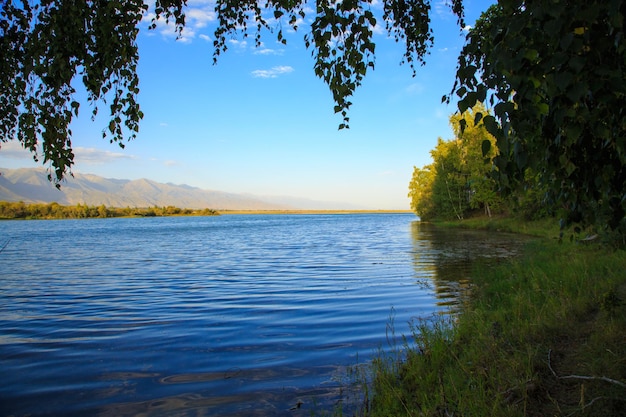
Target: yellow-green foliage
[458,182]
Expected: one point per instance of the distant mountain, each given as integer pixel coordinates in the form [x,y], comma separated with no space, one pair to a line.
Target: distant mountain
[31,185]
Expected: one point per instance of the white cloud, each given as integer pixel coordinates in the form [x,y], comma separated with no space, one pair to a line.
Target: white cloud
[89,156]
[13,150]
[205,37]
[378,29]
[197,16]
[298,24]
[442,7]
[93,156]
[238,44]
[169,31]
[186,36]
[268,51]
[467,28]
[272,73]
[147,17]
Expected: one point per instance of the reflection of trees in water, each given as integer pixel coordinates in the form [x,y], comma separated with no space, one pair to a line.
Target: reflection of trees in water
[444,257]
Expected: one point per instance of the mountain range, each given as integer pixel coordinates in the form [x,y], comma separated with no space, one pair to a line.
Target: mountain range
[31,185]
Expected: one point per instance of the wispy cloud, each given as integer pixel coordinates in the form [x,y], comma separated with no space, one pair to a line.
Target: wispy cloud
[441,7]
[263,50]
[379,29]
[93,156]
[237,43]
[89,156]
[272,73]
[414,89]
[198,15]
[13,150]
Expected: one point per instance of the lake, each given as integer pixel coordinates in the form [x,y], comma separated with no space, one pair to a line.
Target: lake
[232,315]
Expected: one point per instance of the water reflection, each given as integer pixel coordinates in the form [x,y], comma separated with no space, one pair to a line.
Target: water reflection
[237,400]
[446,256]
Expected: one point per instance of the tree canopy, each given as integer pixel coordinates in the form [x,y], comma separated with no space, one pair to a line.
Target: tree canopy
[554,73]
[551,70]
[457,182]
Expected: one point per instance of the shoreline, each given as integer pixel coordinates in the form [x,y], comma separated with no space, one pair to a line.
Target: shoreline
[542,334]
[297,211]
[48,211]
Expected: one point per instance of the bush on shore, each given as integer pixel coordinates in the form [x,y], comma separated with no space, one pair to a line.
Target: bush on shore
[21,210]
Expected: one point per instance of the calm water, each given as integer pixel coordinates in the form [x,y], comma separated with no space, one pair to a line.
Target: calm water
[229,315]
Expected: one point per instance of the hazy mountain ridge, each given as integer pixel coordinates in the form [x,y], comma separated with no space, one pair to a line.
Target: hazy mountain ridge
[31,185]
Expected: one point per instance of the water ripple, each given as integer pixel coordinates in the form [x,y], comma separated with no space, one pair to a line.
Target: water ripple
[229,315]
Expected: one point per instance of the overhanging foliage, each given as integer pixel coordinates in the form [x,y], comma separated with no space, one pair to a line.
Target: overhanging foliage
[51,45]
[554,72]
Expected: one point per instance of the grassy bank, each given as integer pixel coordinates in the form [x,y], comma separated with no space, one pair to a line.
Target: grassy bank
[542,335]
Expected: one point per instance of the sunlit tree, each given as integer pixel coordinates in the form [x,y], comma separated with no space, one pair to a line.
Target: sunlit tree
[477,158]
[421,192]
[458,181]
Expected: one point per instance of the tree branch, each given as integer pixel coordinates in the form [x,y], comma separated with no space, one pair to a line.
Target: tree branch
[583,377]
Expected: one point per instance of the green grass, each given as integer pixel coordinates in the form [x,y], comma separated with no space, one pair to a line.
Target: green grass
[542,335]
[548,227]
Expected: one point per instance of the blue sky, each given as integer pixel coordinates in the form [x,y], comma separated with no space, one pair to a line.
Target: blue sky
[260,122]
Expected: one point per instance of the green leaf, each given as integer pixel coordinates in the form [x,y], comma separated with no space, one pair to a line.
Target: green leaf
[462,125]
[531,54]
[486,147]
[477,118]
[490,124]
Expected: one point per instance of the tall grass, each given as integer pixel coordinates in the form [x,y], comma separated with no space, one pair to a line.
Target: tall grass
[542,335]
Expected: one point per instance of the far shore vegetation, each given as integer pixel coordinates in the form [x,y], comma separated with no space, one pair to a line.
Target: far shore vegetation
[21,210]
[43,211]
[311,211]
